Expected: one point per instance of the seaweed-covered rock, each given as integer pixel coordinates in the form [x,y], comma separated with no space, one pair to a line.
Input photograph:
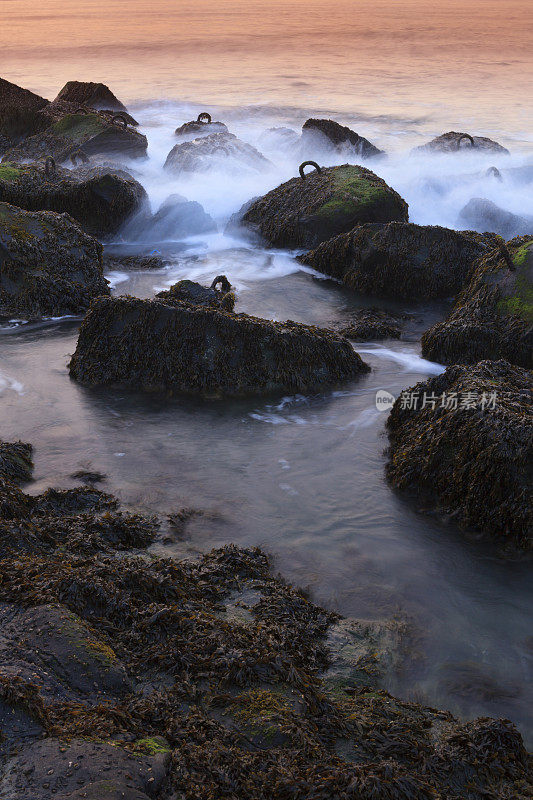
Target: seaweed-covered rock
[94,95]
[48,265]
[464,440]
[15,461]
[453,142]
[176,218]
[99,199]
[493,315]
[304,212]
[325,134]
[400,259]
[190,292]
[481,214]
[217,150]
[370,324]
[19,113]
[167,345]
[93,133]
[203,126]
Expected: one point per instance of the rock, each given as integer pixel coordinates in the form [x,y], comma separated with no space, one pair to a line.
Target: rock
[493,314]
[94,95]
[190,292]
[100,200]
[474,460]
[452,142]
[217,150]
[370,324]
[203,126]
[60,654]
[275,139]
[92,133]
[15,461]
[48,265]
[325,134]
[306,212]
[414,262]
[53,768]
[481,214]
[176,218]
[175,347]
[18,113]
[119,262]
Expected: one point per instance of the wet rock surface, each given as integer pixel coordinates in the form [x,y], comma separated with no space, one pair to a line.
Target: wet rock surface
[215,150]
[371,324]
[176,218]
[48,265]
[305,212]
[470,458]
[328,134]
[173,346]
[414,262]
[484,215]
[282,699]
[493,315]
[94,95]
[101,200]
[93,133]
[19,115]
[190,292]
[453,142]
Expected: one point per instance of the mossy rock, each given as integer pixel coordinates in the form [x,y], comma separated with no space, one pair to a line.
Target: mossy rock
[101,200]
[172,346]
[474,459]
[400,259]
[493,315]
[48,265]
[305,212]
[93,133]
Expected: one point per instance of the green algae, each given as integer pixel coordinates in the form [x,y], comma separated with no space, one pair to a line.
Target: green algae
[79,126]
[351,193]
[153,745]
[520,304]
[9,172]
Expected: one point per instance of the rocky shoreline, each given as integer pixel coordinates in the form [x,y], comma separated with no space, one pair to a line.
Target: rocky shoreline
[127,675]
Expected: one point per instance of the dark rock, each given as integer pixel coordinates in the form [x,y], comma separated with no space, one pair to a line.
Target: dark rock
[414,262]
[48,265]
[371,324]
[216,150]
[175,219]
[18,113]
[203,126]
[453,142]
[100,200]
[177,347]
[15,461]
[197,295]
[53,768]
[104,790]
[88,476]
[92,133]
[94,95]
[493,315]
[329,135]
[119,262]
[306,212]
[470,457]
[481,215]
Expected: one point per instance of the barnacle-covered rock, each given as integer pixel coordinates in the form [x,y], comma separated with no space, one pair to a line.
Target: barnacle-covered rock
[453,142]
[371,324]
[326,134]
[493,315]
[99,199]
[216,151]
[176,218]
[481,214]
[304,212]
[48,265]
[168,345]
[203,126]
[469,447]
[94,95]
[191,292]
[93,133]
[19,115]
[415,262]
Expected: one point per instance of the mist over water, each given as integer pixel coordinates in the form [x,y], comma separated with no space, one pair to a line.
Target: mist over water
[301,476]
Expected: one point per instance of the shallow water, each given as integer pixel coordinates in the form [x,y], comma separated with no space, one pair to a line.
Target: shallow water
[303,477]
